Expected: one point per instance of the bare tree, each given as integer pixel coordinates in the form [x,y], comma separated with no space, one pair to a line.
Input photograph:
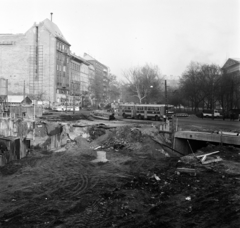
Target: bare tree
[142,80]
[200,85]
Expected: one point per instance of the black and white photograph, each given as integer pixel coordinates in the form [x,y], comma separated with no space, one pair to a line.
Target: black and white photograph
[120,114]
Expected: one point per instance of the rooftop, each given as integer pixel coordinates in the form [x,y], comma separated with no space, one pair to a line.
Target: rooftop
[53,29]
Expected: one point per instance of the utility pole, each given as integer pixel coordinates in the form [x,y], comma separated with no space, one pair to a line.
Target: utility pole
[73,98]
[166,99]
[24,89]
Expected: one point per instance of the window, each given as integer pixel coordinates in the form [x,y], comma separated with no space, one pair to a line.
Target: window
[64,68]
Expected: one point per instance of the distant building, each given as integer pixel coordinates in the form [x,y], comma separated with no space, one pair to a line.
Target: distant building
[91,88]
[101,79]
[232,66]
[231,70]
[79,80]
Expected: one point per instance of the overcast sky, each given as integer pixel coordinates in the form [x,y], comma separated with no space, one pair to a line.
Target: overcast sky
[129,33]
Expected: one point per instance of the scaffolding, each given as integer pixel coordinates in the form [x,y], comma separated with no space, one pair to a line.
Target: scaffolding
[36,71]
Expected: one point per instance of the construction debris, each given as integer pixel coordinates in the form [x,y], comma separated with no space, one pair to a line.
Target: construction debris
[101,157]
[121,177]
[207,159]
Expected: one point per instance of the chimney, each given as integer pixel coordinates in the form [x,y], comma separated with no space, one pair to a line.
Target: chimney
[51,16]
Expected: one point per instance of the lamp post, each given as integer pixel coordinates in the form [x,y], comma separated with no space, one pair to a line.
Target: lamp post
[166,99]
[73,97]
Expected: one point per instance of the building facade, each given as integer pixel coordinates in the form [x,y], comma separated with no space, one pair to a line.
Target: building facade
[91,88]
[231,74]
[79,81]
[14,60]
[39,63]
[101,86]
[38,59]
[232,66]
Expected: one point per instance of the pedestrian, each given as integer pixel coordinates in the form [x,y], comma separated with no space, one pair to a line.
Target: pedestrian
[112,117]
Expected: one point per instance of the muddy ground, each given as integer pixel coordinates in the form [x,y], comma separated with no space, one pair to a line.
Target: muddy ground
[140,185]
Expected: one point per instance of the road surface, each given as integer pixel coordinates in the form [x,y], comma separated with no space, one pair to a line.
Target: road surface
[187,123]
[197,124]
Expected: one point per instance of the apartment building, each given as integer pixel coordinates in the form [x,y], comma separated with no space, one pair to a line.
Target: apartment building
[39,63]
[15,52]
[38,59]
[91,88]
[79,81]
[101,79]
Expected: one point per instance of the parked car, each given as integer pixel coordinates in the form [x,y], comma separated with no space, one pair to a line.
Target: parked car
[59,108]
[70,108]
[211,113]
[181,115]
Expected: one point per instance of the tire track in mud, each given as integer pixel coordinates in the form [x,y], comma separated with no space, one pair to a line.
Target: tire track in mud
[70,191]
[63,180]
[95,214]
[71,178]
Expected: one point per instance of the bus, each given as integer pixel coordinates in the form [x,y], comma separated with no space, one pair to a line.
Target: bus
[126,110]
[146,111]
[170,111]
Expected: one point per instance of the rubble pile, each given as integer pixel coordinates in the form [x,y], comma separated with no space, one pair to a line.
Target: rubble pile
[66,117]
[123,137]
[95,131]
[144,142]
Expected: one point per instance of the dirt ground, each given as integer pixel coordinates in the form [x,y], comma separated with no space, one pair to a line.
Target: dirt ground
[139,186]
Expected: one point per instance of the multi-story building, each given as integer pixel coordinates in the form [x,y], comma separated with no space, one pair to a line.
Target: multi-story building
[38,63]
[78,79]
[84,76]
[38,59]
[14,60]
[231,70]
[232,66]
[91,88]
[101,79]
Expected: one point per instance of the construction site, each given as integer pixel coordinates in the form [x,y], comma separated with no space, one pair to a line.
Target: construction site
[64,170]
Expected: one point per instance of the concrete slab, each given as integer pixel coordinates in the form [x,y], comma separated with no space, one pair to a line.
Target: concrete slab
[181,137]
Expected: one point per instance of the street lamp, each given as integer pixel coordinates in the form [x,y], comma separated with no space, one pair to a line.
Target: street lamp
[166,99]
[73,91]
